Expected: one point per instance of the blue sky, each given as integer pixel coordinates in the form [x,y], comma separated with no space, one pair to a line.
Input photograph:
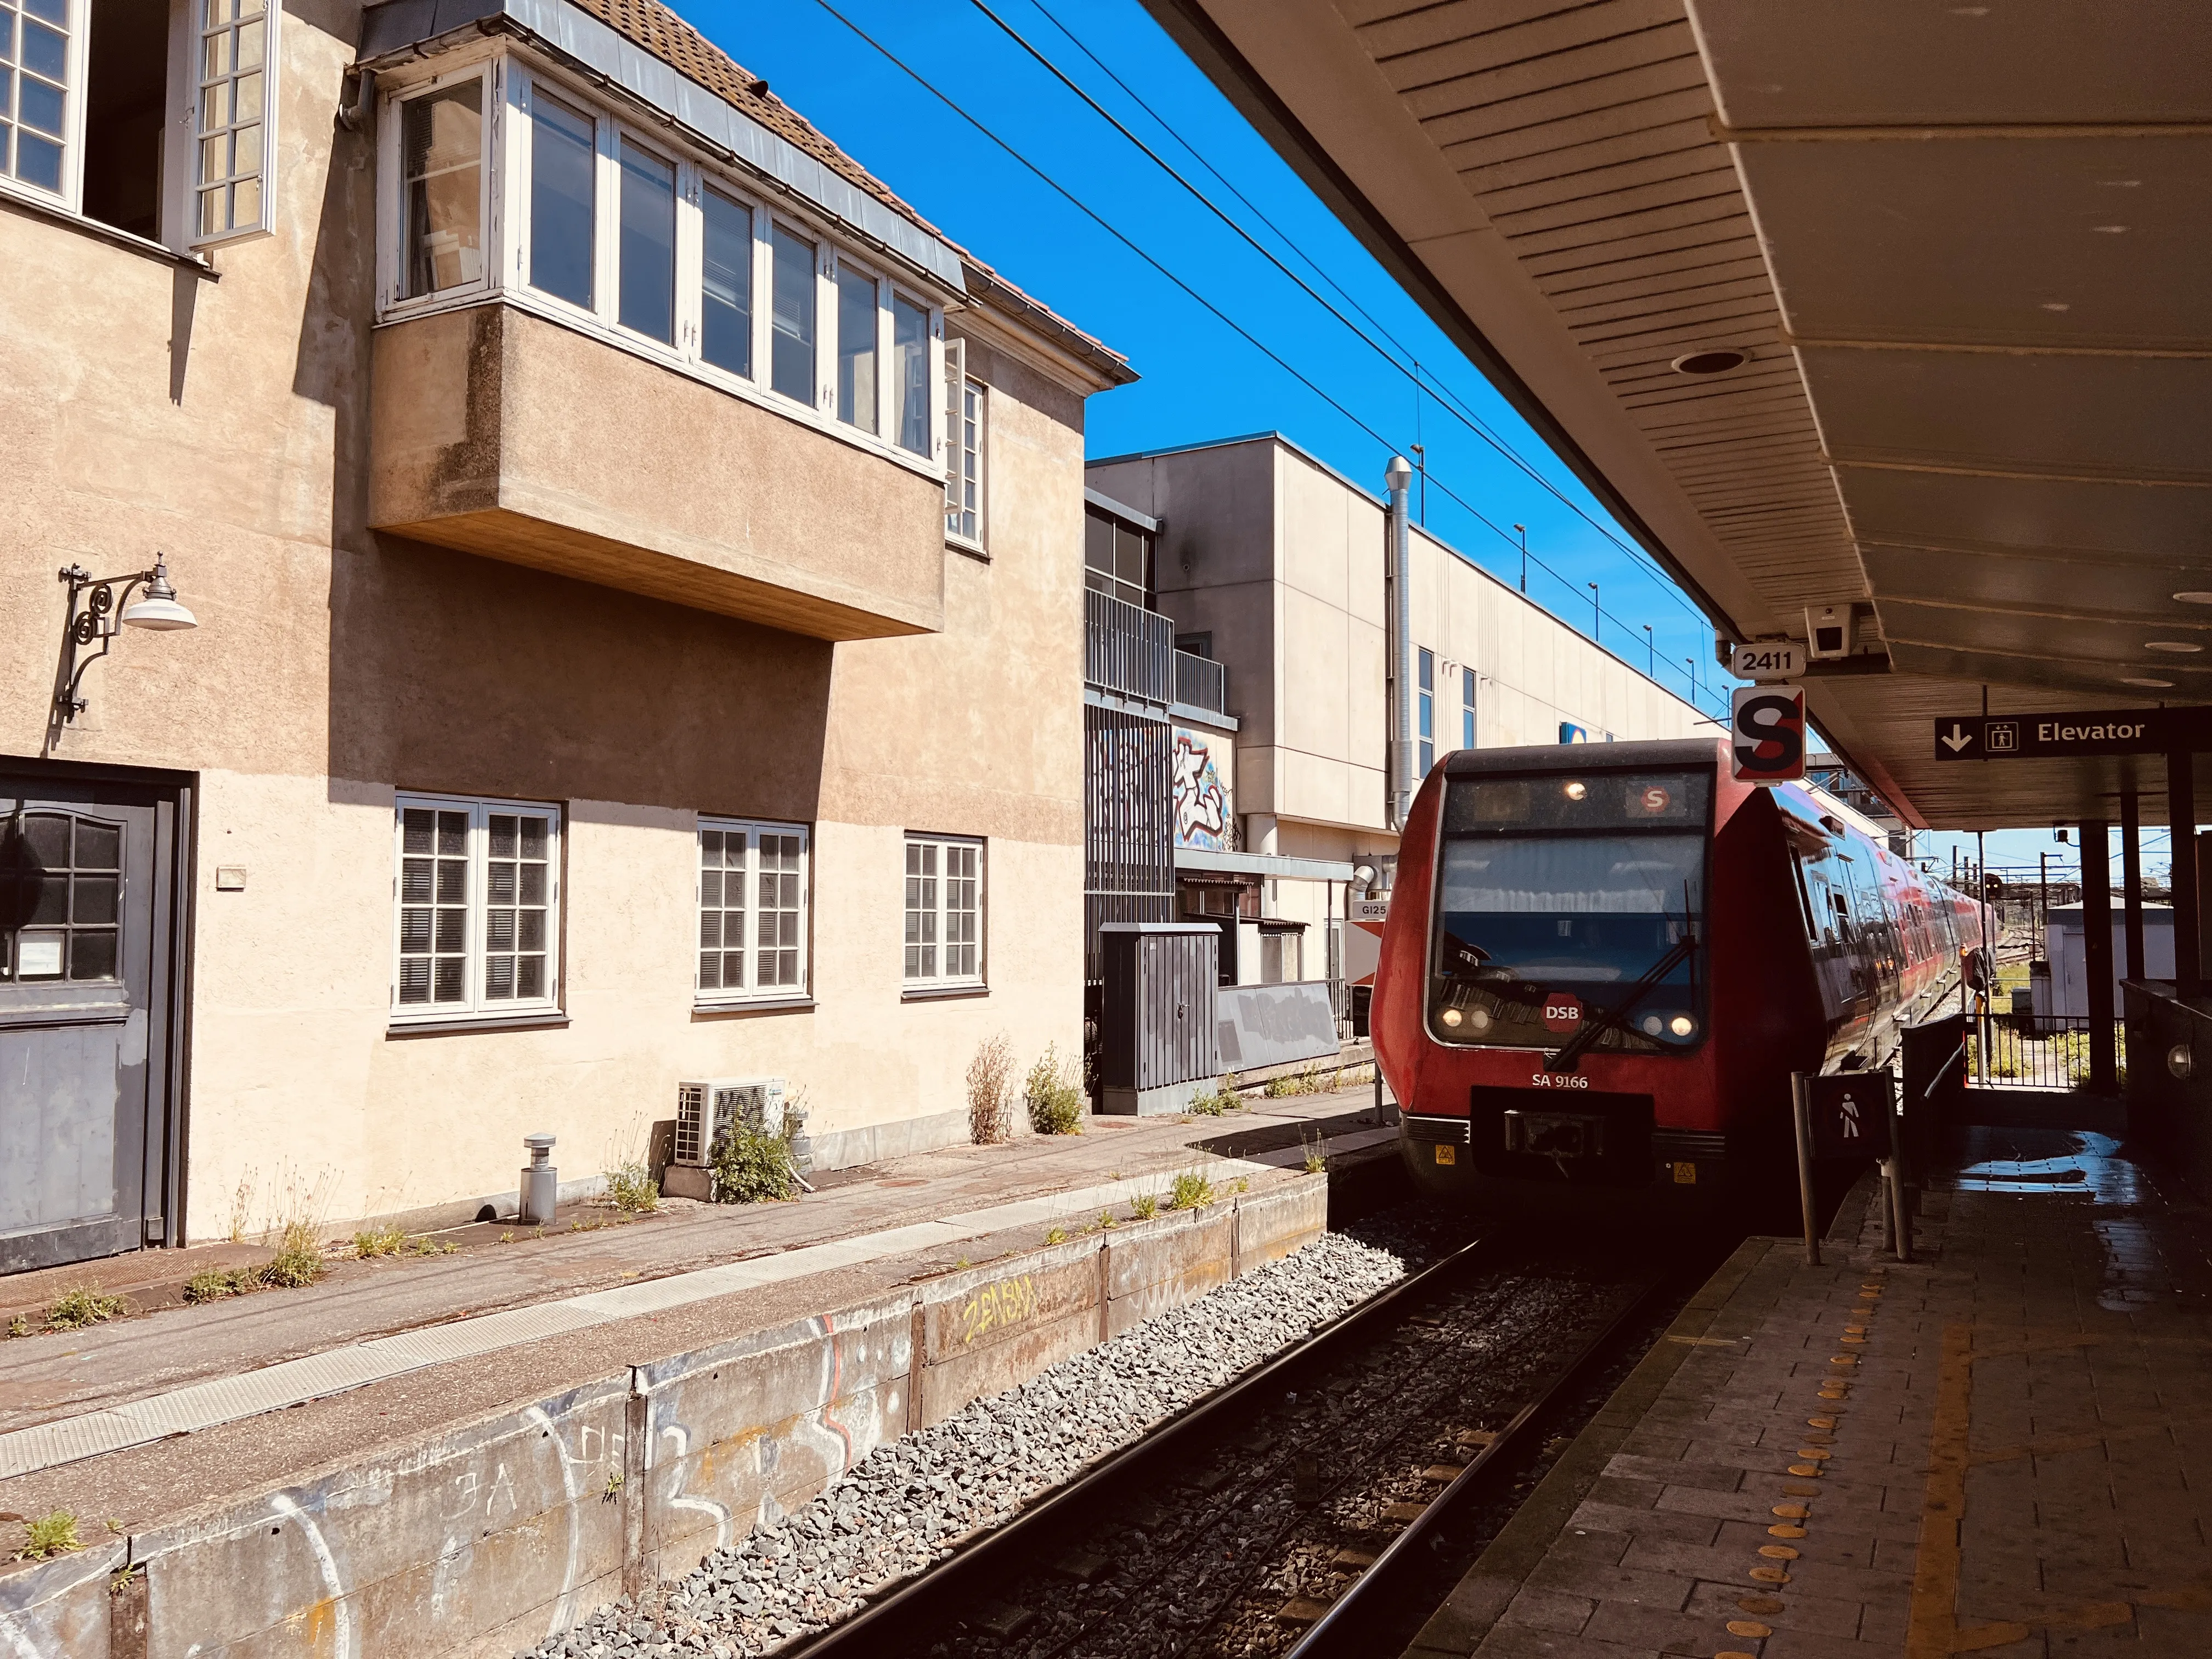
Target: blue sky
[1201,378]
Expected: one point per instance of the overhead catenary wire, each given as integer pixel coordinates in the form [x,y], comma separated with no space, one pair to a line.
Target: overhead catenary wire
[1447,398]
[1170,276]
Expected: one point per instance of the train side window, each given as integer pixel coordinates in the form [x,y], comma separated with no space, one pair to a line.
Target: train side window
[1804,899]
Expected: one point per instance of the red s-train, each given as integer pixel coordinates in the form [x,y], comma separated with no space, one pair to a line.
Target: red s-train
[1602,962]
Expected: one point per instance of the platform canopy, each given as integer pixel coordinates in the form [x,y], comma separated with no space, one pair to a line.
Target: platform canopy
[1966,251]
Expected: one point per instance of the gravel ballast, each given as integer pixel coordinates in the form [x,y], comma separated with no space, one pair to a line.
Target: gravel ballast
[901,1507]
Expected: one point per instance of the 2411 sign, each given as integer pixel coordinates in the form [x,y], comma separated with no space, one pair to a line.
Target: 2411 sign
[1766,733]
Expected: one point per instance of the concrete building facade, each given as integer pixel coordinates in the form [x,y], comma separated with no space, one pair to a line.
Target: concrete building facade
[618,531]
[1272,565]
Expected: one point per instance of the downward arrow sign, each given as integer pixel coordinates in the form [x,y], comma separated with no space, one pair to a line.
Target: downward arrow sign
[1959,739]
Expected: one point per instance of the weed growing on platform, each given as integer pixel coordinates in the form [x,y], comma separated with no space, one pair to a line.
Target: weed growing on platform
[396,1240]
[990,1074]
[1193,1191]
[81,1305]
[1104,1224]
[631,1188]
[19,1326]
[1055,1235]
[1223,1098]
[1144,1206]
[752,1166]
[52,1534]
[1317,1159]
[1241,1184]
[241,1203]
[299,1258]
[216,1282]
[1054,1096]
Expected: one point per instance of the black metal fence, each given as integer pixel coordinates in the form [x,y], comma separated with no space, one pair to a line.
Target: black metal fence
[2044,1051]
[1128,649]
[1128,823]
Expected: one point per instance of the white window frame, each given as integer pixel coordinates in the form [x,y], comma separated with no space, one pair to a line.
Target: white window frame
[932,449]
[508,231]
[1468,682]
[195,35]
[954,384]
[391,195]
[475,1007]
[753,993]
[940,980]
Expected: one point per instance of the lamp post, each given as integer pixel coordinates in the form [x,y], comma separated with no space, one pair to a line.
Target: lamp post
[1421,466]
[1594,615]
[1521,529]
[1651,651]
[92,616]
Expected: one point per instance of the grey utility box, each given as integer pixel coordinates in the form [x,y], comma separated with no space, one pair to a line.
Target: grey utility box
[1158,1042]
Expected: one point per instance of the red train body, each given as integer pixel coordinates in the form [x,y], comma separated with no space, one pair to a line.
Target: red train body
[1602,962]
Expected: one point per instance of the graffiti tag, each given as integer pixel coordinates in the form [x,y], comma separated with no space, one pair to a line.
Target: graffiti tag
[1201,804]
[1007,1302]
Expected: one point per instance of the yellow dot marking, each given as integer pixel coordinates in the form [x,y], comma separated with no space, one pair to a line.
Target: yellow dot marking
[1750,1627]
[1805,1469]
[1791,1512]
[1843,1360]
[1785,1532]
[1872,1287]
[1835,1393]
[1730,1653]
[1855,1330]
[1819,1422]
[1816,1453]
[1855,1341]
[1863,1313]
[1770,1575]
[1778,1552]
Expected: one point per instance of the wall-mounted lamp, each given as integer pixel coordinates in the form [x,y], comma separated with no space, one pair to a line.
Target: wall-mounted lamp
[92,616]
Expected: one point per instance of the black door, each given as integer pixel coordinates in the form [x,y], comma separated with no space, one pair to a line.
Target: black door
[87,981]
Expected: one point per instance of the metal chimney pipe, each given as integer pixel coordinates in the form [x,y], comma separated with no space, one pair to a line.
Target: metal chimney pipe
[1399,609]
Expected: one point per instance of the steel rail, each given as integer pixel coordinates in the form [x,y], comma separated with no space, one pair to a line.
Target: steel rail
[886,1625]
[1347,1627]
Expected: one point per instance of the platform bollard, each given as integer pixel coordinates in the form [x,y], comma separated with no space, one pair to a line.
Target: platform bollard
[1802,1112]
[541,1183]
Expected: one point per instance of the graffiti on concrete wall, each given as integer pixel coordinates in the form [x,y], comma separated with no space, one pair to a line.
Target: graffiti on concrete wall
[1204,814]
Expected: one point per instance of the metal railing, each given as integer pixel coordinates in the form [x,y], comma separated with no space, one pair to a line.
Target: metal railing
[1201,683]
[1128,649]
[2036,1051]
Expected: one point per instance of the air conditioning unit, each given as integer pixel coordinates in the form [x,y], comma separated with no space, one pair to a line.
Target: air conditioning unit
[706,1107]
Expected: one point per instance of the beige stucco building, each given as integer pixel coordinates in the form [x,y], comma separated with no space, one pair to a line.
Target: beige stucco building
[1272,565]
[617,529]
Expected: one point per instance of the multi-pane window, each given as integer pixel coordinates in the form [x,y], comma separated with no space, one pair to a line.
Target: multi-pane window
[478,896]
[1466,709]
[37,63]
[61,878]
[752,910]
[1117,559]
[562,216]
[234,60]
[441,208]
[647,253]
[1427,725]
[910,375]
[791,369]
[727,301]
[857,401]
[963,446]
[943,911]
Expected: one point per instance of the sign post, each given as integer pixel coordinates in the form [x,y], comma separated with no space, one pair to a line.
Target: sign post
[1800,1112]
[1766,733]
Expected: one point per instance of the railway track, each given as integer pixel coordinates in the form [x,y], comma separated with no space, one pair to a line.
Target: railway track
[1310,1504]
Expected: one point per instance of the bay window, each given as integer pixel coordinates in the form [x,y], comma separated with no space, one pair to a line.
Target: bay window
[615,230]
[648,243]
[477,896]
[856,347]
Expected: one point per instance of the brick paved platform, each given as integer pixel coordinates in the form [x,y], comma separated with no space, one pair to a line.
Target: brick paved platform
[1991,1451]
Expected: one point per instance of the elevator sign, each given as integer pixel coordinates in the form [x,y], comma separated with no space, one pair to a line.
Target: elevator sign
[2064,736]
[1767,737]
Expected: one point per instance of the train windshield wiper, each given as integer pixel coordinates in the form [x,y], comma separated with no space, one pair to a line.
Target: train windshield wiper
[1571,1054]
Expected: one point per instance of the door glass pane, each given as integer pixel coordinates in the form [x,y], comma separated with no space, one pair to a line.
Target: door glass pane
[561,218]
[727,335]
[910,373]
[792,371]
[441,155]
[58,918]
[648,243]
[856,348]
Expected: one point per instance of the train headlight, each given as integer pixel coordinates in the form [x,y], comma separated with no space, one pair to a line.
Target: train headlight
[1681,1025]
[1652,1025]
[1480,1019]
[1576,790]
[2180,1062]
[1450,1017]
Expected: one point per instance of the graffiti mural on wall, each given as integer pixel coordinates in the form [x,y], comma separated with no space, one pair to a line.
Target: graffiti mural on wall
[1204,816]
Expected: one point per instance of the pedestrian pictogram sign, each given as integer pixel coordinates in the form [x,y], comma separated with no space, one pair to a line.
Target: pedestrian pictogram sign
[1850,1114]
[1766,738]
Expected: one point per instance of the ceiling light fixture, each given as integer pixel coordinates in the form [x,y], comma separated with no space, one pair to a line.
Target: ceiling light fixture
[2149,684]
[2177,648]
[1710,362]
[2195,596]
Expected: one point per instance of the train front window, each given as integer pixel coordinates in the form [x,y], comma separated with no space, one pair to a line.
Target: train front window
[1560,901]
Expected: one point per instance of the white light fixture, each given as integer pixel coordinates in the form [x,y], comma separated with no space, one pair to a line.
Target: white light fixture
[2147,682]
[2176,647]
[159,610]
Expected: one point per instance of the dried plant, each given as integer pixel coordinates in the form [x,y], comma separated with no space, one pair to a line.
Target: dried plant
[990,1075]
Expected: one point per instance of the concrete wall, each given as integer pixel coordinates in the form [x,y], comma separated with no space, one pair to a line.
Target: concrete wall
[483,1539]
[227,423]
